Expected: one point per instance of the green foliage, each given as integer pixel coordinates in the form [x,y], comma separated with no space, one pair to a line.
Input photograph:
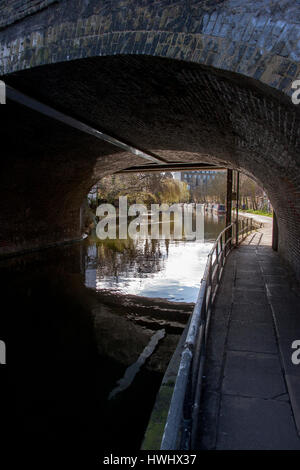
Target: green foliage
[142,188]
[173,191]
[258,212]
[151,188]
[213,190]
[141,198]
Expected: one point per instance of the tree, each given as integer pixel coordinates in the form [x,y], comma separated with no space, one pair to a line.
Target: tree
[146,188]
[250,193]
[212,190]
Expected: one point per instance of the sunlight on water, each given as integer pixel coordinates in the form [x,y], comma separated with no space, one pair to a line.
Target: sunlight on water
[178,279]
[169,269]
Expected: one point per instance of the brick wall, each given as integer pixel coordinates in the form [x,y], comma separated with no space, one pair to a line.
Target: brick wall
[194,104]
[15,10]
[257,38]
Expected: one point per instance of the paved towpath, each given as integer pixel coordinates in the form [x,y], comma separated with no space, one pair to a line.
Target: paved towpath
[251,396]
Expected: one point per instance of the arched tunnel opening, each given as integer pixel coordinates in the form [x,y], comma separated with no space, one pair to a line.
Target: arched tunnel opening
[181,111]
[176,111]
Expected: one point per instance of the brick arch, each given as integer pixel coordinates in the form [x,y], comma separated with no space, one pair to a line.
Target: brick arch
[180,111]
[220,73]
[258,39]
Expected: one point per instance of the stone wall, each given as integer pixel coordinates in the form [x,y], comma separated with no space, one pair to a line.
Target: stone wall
[259,38]
[190,81]
[16,10]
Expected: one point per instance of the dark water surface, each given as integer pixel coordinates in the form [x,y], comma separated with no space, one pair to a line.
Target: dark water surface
[71,344]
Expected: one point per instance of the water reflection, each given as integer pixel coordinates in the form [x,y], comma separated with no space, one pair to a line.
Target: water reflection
[66,351]
[170,269]
[67,348]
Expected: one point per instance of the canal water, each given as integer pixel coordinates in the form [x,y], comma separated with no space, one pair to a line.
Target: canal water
[169,269]
[89,331]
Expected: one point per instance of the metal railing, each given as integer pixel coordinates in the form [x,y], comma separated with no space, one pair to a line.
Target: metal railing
[182,421]
[246,226]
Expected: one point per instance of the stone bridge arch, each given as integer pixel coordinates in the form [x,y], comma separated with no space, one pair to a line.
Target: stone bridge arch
[258,38]
[189,81]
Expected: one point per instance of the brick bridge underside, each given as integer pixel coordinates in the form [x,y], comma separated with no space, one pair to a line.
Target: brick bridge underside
[197,81]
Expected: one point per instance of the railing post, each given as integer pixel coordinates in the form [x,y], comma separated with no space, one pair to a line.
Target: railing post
[217,259]
[233,233]
[228,233]
[221,249]
[209,283]
[237,207]
[275,233]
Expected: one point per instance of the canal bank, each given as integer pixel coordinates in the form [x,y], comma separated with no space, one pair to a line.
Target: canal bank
[250,386]
[251,392]
[263,235]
